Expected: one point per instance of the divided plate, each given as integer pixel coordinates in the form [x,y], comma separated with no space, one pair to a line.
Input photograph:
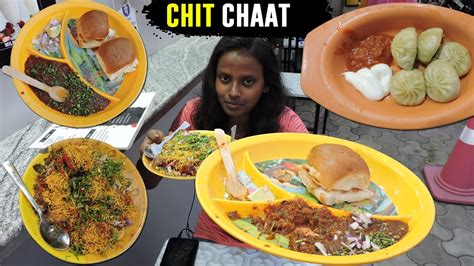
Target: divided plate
[414,203]
[120,100]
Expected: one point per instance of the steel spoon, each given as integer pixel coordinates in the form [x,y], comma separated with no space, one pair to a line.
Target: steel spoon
[56,93]
[53,235]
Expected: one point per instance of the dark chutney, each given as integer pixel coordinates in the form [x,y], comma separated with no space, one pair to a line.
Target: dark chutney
[82,100]
[304,226]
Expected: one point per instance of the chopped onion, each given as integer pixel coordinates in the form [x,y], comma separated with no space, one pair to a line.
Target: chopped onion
[354,225]
[321,248]
[363,218]
[54,22]
[353,239]
[354,242]
[366,243]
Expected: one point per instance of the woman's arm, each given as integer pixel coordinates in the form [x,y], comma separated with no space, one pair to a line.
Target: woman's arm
[156,136]
[291,122]
[186,114]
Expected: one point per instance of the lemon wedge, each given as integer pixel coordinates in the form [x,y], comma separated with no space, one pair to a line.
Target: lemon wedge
[262,194]
[54,31]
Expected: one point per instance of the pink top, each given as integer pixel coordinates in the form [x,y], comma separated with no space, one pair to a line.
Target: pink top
[289,120]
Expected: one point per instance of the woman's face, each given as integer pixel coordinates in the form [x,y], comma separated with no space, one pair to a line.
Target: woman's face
[239,83]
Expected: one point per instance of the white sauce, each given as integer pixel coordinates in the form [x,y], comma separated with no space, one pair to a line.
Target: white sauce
[373,83]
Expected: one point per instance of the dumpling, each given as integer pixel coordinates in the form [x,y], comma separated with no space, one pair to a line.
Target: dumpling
[404,48]
[457,55]
[407,87]
[428,43]
[442,81]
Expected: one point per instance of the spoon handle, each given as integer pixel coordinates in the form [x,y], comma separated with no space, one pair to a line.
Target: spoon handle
[27,79]
[11,170]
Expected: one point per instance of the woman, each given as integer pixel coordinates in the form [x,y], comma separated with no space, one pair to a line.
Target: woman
[241,86]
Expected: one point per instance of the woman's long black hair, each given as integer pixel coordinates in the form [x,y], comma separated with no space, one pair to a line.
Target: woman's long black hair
[264,117]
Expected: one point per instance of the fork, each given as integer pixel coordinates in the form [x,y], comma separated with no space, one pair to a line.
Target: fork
[153,150]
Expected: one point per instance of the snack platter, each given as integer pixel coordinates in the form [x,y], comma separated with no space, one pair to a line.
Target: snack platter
[136,194]
[413,202]
[47,48]
[324,64]
[161,171]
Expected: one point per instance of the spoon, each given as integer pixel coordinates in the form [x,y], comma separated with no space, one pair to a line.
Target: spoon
[153,150]
[232,184]
[56,93]
[53,235]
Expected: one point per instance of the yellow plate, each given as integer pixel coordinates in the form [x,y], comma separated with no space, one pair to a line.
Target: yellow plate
[31,221]
[147,161]
[414,203]
[126,94]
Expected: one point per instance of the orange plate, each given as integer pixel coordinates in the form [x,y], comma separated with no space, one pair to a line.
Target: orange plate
[129,89]
[322,81]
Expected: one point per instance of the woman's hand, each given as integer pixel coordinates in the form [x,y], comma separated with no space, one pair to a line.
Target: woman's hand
[152,136]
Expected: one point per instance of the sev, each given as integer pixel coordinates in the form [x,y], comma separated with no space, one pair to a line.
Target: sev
[184,153]
[85,193]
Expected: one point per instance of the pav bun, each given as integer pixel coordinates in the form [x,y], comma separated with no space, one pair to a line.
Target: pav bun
[339,167]
[117,57]
[336,174]
[92,29]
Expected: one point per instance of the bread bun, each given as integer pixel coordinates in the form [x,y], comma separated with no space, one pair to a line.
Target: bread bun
[339,168]
[92,29]
[117,57]
[332,197]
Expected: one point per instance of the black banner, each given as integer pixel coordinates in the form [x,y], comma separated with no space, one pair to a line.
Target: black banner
[278,18]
